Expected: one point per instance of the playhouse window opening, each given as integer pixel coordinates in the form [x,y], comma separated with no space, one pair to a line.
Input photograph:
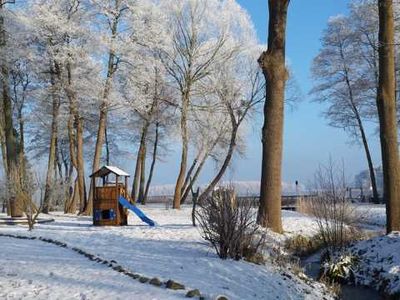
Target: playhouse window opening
[107,214]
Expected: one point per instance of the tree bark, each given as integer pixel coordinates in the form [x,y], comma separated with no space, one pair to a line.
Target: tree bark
[13,174]
[107,147]
[225,164]
[142,174]
[54,76]
[193,179]
[111,68]
[153,163]
[138,171]
[272,63]
[73,198]
[361,129]
[85,207]
[386,102]
[371,169]
[187,178]
[75,129]
[184,153]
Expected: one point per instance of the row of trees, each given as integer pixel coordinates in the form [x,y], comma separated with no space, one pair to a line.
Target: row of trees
[82,79]
[356,74]
[346,73]
[88,80]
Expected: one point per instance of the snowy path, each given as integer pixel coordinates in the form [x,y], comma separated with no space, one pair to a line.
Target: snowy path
[31,269]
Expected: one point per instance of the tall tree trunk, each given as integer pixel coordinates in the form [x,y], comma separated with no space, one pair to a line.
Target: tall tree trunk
[272,63]
[387,115]
[107,147]
[361,129]
[85,207]
[53,137]
[138,171]
[142,175]
[3,144]
[153,163]
[188,176]
[73,198]
[371,168]
[75,129]
[193,179]
[184,154]
[21,142]
[111,68]
[6,203]
[13,176]
[4,156]
[225,164]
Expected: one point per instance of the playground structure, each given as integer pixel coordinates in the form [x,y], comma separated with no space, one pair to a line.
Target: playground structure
[110,199]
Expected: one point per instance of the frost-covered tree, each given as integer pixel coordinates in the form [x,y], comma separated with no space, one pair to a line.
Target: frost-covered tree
[345,78]
[238,87]
[62,46]
[11,147]
[200,31]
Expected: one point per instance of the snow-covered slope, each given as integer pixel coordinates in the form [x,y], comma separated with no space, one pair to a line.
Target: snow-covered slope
[172,250]
[31,269]
[379,263]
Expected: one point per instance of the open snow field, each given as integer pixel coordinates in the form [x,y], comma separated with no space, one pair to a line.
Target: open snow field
[172,250]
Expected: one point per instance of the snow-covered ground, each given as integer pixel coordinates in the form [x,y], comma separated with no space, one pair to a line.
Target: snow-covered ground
[379,263]
[172,250]
[372,214]
[31,269]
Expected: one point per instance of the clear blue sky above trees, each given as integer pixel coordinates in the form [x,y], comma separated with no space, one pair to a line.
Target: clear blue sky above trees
[308,140]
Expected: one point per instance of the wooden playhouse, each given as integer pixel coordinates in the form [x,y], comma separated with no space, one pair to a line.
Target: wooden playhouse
[109,183]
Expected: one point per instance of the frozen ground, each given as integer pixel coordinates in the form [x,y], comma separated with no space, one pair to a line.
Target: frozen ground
[172,250]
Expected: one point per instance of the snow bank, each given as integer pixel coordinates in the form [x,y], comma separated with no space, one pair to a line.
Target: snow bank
[372,214]
[379,263]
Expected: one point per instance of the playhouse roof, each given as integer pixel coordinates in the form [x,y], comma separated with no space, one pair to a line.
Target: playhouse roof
[105,170]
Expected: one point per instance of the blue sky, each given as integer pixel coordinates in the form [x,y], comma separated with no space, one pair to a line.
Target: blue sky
[308,140]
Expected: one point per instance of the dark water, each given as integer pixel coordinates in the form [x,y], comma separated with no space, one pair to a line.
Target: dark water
[311,267]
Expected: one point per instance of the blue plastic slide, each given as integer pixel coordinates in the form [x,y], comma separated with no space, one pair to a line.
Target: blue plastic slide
[125,203]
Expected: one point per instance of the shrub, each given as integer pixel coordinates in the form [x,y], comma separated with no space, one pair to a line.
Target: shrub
[302,246]
[230,226]
[339,269]
[333,211]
